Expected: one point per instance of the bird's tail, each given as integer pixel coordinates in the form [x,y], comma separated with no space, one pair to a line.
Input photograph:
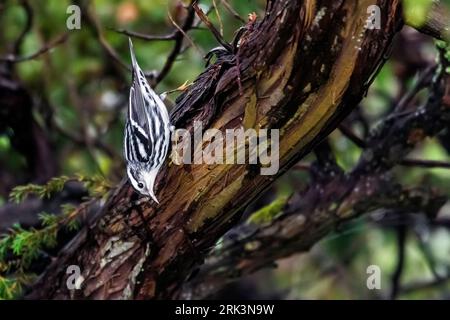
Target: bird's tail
[133,56]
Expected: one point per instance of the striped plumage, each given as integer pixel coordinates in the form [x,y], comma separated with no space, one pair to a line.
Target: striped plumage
[147,132]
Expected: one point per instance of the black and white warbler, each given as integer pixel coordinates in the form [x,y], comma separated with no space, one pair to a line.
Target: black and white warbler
[147,132]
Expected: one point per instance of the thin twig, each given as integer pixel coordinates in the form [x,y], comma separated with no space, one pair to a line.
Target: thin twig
[424,285]
[180,35]
[148,37]
[203,17]
[77,103]
[177,36]
[302,167]
[111,152]
[197,25]
[232,11]
[47,47]
[427,252]
[422,82]
[183,32]
[181,88]
[396,277]
[441,223]
[352,136]
[218,16]
[425,163]
[93,21]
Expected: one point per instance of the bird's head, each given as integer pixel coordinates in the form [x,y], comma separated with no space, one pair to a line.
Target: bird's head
[143,180]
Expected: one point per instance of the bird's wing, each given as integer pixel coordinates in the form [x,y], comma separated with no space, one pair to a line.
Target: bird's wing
[145,116]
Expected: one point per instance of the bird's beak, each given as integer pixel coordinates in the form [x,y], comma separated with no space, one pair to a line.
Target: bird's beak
[149,183]
[152,195]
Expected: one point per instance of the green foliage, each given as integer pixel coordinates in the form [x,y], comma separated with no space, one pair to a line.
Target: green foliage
[96,185]
[26,244]
[416,11]
[20,247]
[10,288]
[19,193]
[69,213]
[269,212]
[445,49]
[48,219]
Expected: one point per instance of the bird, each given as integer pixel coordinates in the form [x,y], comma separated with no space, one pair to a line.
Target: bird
[147,132]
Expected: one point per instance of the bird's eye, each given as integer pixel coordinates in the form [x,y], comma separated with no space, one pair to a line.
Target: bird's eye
[140,185]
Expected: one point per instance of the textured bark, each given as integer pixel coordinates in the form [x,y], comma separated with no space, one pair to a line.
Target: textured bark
[303,67]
